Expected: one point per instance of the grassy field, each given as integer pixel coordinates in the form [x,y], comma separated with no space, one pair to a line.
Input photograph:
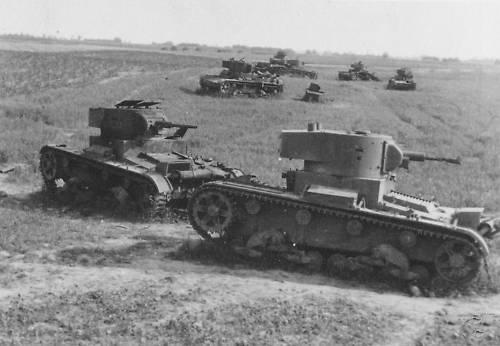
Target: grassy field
[44,98]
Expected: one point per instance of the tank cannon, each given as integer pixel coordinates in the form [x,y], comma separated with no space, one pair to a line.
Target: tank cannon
[134,157]
[342,210]
[421,157]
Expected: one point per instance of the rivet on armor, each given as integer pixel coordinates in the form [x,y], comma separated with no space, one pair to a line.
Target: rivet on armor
[303,217]
[252,207]
[407,239]
[354,227]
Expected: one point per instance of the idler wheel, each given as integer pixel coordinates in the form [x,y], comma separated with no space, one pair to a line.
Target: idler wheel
[457,261]
[211,213]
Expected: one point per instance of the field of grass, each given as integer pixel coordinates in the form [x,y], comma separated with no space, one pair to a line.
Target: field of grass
[44,98]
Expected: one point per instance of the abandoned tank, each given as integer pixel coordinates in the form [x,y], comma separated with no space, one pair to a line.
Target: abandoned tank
[342,211]
[357,71]
[403,80]
[281,66]
[239,78]
[139,155]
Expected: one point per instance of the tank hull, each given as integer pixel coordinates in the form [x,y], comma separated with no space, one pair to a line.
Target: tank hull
[226,87]
[401,84]
[152,185]
[286,70]
[325,227]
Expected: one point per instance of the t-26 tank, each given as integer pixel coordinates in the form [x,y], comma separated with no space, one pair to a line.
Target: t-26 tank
[136,155]
[281,66]
[238,78]
[342,210]
[357,71]
[403,80]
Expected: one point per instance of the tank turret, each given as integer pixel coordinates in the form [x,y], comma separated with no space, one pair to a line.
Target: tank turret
[361,164]
[134,123]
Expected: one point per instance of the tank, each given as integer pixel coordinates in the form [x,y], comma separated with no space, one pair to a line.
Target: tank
[138,155]
[313,93]
[281,66]
[342,211]
[403,80]
[238,78]
[357,71]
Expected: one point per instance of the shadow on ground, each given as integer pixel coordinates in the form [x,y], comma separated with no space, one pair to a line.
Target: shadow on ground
[139,247]
[102,206]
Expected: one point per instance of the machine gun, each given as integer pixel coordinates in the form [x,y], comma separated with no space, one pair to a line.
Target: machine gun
[163,124]
[419,156]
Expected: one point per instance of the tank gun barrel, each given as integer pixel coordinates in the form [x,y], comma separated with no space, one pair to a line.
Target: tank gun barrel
[168,124]
[182,128]
[420,156]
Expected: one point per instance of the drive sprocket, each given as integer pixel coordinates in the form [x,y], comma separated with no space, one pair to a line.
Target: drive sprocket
[457,261]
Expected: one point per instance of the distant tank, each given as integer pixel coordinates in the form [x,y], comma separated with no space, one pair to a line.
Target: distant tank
[238,78]
[137,155]
[313,93]
[357,71]
[403,80]
[282,66]
[342,211]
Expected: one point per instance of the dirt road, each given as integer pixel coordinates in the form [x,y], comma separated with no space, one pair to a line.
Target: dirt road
[136,286]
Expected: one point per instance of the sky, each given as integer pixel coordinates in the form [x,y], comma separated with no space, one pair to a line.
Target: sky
[405,28]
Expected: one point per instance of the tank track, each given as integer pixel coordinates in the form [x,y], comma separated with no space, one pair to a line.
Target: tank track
[239,191]
[154,203]
[156,206]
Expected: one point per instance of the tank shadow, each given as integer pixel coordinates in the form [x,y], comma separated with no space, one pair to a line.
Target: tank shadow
[190,91]
[224,258]
[139,247]
[99,206]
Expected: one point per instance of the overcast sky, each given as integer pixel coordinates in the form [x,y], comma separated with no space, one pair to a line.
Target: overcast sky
[464,29]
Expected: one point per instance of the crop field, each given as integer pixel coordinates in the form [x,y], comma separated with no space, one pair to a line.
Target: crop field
[68,277]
